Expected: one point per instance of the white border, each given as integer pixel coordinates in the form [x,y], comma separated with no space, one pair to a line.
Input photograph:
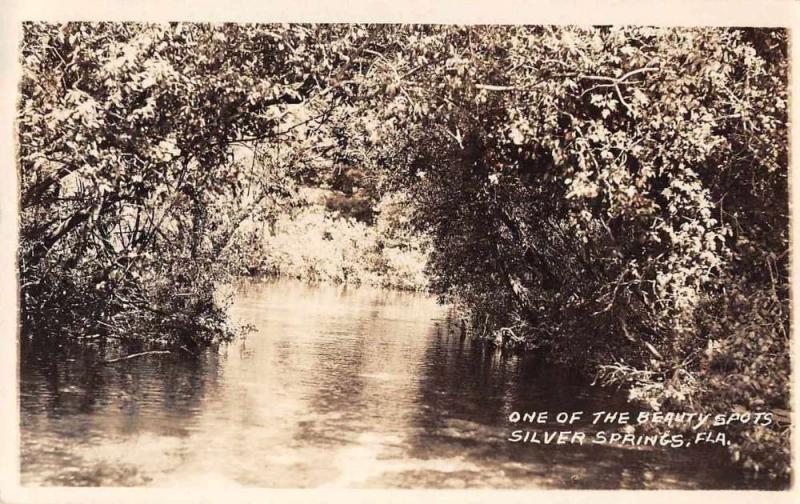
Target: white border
[677,12]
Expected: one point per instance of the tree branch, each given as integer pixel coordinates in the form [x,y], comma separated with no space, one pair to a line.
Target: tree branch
[140,354]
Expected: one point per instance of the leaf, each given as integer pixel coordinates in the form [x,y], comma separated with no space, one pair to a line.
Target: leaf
[517,137]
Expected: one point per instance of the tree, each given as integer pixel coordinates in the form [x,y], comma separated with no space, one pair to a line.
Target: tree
[130,186]
[614,196]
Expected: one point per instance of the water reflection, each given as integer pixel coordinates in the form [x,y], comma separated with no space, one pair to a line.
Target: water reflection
[336,387]
[75,410]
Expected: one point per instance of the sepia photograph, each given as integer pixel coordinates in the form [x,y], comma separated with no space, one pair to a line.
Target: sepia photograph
[370,255]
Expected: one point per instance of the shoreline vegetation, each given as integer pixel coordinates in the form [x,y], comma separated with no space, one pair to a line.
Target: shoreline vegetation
[320,242]
[613,198]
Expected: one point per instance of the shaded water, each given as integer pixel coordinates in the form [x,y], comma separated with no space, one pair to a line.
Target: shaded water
[335,387]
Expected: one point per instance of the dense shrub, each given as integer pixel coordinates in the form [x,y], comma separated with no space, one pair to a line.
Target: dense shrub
[615,197]
[130,185]
[316,245]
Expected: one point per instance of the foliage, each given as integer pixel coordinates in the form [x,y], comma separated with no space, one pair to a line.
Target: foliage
[317,245]
[130,185]
[603,190]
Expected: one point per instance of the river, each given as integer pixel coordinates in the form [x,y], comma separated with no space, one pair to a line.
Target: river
[335,387]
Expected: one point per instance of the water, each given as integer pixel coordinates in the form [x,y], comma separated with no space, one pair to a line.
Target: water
[336,387]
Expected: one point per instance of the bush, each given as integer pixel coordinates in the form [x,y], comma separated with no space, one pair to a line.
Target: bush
[607,195]
[316,245]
